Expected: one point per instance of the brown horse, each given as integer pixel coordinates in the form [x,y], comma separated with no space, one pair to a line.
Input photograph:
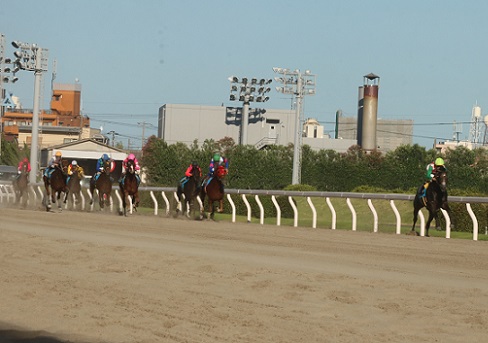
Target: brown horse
[55,184]
[129,187]
[189,189]
[21,184]
[74,186]
[213,190]
[434,199]
[103,184]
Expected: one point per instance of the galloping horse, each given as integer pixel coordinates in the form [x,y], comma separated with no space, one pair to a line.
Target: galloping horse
[214,191]
[74,186]
[435,198]
[189,190]
[55,185]
[21,184]
[104,186]
[129,187]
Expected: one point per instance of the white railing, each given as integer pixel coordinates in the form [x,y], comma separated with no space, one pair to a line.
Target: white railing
[7,195]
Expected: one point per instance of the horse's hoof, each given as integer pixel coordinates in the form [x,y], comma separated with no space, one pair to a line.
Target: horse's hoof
[413,233]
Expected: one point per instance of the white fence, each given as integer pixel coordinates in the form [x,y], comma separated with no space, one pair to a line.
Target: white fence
[36,194]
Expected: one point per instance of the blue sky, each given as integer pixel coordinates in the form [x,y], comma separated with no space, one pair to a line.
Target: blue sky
[131,57]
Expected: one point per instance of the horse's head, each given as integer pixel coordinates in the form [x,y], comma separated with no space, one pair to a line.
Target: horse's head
[131,166]
[196,172]
[440,177]
[107,166]
[24,168]
[220,172]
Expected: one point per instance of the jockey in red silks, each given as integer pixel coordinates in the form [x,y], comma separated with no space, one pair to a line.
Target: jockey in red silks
[21,165]
[188,174]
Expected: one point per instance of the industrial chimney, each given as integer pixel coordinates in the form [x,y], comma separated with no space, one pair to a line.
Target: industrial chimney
[368,112]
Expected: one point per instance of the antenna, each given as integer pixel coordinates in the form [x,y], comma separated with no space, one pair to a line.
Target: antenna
[475,127]
[457,130]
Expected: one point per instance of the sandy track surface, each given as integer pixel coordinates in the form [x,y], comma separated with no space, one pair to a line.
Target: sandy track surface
[95,277]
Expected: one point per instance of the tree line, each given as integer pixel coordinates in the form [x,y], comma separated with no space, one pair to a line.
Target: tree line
[401,170]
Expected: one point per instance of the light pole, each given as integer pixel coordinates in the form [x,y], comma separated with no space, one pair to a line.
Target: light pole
[248,91]
[31,57]
[299,84]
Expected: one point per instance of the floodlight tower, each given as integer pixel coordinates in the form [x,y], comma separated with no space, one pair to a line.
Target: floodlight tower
[31,57]
[299,84]
[6,67]
[248,91]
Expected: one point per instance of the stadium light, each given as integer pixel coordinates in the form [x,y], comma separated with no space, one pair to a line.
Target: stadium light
[299,84]
[246,91]
[33,58]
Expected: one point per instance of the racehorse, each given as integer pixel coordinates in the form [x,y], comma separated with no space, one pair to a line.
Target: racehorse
[129,187]
[55,185]
[21,184]
[213,191]
[435,198]
[189,190]
[103,184]
[74,186]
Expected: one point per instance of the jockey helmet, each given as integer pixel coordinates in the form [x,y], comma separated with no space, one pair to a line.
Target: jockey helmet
[25,159]
[439,161]
[131,157]
[58,154]
[105,157]
[194,163]
[74,163]
[216,157]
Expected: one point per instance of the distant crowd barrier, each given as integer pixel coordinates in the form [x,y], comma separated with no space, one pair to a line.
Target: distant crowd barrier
[36,194]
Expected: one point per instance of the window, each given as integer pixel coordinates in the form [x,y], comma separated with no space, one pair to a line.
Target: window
[272,121]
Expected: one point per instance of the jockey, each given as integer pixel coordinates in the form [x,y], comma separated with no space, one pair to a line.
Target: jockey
[216,161]
[21,165]
[188,173]
[100,163]
[73,168]
[23,162]
[431,169]
[53,163]
[137,168]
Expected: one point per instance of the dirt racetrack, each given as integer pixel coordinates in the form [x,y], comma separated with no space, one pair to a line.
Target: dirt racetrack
[96,277]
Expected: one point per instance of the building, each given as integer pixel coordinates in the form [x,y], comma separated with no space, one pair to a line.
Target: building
[390,133]
[195,123]
[62,123]
[86,152]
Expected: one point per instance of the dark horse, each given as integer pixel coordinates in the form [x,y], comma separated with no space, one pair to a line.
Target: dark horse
[189,190]
[55,185]
[104,186]
[74,186]
[435,198]
[129,187]
[21,184]
[213,191]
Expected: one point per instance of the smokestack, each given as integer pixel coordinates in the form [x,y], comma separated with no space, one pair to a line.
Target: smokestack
[369,113]
[359,132]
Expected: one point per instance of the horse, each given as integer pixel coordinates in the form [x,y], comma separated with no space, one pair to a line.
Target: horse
[189,190]
[74,186]
[55,185]
[435,199]
[129,187]
[21,184]
[213,190]
[103,184]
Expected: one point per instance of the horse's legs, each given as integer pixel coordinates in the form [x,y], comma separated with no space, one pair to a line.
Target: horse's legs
[221,206]
[432,215]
